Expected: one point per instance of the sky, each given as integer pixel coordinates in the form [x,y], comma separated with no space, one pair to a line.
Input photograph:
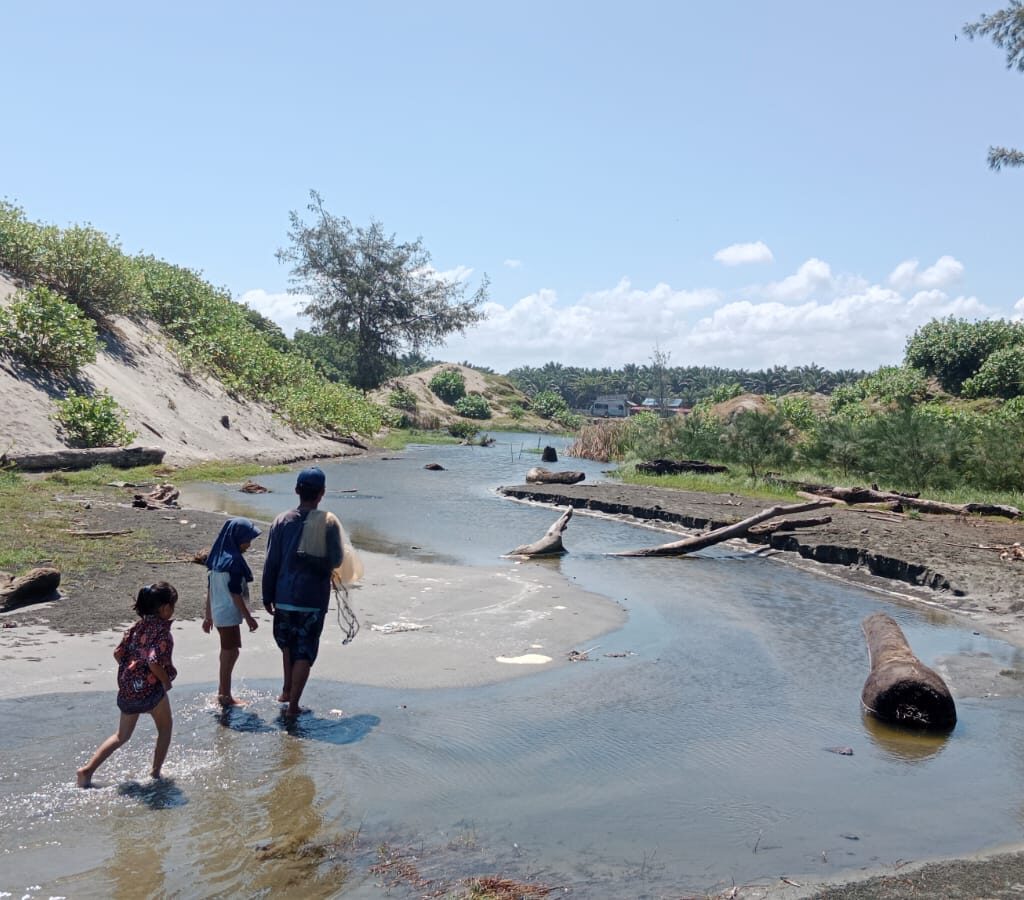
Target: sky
[737,184]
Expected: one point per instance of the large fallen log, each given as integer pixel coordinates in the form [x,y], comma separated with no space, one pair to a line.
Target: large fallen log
[900,688]
[119,457]
[737,529]
[34,586]
[788,525]
[537,475]
[550,544]
[854,495]
[675,466]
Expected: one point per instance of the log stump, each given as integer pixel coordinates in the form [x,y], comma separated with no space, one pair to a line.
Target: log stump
[35,586]
[901,689]
[549,454]
[538,475]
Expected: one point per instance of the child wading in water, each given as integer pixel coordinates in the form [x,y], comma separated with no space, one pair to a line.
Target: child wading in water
[144,676]
[227,593]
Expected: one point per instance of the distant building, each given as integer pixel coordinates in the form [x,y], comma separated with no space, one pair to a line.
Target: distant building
[610,406]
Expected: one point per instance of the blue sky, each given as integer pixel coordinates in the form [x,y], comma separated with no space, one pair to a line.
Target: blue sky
[737,184]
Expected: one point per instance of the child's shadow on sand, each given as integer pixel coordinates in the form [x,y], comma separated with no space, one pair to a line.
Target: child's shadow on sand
[347,730]
[160,793]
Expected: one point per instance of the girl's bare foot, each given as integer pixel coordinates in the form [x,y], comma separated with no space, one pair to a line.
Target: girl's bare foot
[226,700]
[293,712]
[283,697]
[84,778]
[155,775]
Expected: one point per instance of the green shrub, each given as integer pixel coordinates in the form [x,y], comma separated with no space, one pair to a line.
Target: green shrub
[896,385]
[22,243]
[549,404]
[797,411]
[42,329]
[94,421]
[1001,375]
[90,270]
[473,406]
[463,429]
[402,398]
[449,385]
[516,411]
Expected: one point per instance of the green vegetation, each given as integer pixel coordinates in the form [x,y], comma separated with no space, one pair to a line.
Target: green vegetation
[448,385]
[41,329]
[92,421]
[1006,29]
[473,406]
[34,531]
[208,331]
[463,430]
[375,295]
[400,398]
[579,387]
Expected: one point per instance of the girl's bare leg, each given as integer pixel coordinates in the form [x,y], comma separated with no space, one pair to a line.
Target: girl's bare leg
[125,727]
[162,718]
[228,658]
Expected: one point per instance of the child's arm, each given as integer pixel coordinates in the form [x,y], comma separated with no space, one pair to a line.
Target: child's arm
[119,650]
[207,617]
[161,674]
[244,610]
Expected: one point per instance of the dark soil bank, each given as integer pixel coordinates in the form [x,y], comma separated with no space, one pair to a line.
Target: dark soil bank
[952,560]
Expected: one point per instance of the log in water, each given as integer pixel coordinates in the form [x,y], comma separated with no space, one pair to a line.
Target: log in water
[900,688]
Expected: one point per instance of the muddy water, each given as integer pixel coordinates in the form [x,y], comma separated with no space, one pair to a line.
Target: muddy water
[697,758]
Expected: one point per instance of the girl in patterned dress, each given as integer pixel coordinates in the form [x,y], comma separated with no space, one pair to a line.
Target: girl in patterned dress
[144,676]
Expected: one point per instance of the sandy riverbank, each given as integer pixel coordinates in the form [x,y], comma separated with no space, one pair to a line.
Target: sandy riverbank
[475,616]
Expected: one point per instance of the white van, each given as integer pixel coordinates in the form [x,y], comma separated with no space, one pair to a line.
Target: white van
[609,408]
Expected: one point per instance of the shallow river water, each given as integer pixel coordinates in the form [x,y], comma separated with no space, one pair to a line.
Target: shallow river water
[697,760]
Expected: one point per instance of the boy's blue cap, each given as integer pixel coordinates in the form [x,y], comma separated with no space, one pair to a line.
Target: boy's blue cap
[313,477]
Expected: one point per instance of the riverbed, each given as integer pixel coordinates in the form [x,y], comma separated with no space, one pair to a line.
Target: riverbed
[693,747]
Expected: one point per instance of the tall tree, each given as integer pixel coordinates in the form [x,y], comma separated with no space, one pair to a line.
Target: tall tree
[368,290]
[1006,28]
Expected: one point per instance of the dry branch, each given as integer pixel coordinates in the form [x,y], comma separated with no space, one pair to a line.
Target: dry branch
[737,529]
[548,545]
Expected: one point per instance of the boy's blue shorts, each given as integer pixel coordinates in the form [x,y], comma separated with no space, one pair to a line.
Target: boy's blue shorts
[299,633]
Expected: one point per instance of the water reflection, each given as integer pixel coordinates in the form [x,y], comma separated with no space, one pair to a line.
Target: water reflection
[903,744]
[141,844]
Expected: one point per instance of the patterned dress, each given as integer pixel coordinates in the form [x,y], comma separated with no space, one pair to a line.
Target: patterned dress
[148,640]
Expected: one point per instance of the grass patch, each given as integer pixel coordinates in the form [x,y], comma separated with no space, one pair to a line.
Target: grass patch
[400,438]
[35,526]
[721,483]
[100,476]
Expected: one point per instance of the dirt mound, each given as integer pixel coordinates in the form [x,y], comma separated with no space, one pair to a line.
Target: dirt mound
[727,410]
[432,412]
[190,416]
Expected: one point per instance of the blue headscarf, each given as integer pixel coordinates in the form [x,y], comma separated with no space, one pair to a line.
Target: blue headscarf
[224,555]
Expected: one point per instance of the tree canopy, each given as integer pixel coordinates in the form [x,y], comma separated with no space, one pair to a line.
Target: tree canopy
[1006,29]
[369,291]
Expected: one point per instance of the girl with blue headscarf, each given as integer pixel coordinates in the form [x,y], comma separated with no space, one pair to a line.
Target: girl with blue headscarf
[227,596]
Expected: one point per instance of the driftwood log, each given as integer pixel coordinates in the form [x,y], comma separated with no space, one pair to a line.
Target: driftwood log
[550,544]
[900,688]
[34,586]
[898,502]
[537,475]
[675,466]
[737,529]
[119,457]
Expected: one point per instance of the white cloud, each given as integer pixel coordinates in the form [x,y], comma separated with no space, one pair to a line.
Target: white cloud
[813,276]
[285,309]
[744,254]
[835,319]
[513,263]
[1018,308]
[459,273]
[946,271]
